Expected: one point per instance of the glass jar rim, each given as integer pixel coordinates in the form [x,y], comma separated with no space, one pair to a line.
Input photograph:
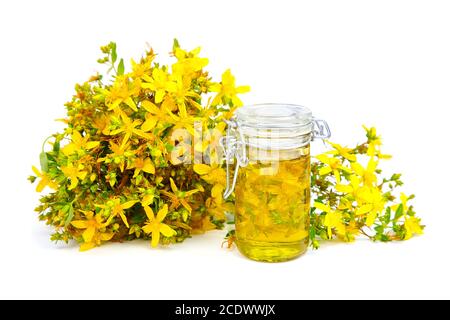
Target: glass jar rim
[274,115]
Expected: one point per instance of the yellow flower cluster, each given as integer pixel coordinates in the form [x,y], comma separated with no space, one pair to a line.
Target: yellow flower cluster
[131,148]
[351,199]
[147,141]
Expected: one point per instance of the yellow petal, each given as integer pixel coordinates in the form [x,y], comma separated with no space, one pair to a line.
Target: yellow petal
[243,89]
[166,230]
[124,219]
[128,204]
[357,168]
[371,218]
[148,228]
[149,124]
[41,185]
[186,205]
[148,166]
[150,107]
[143,134]
[216,191]
[337,175]
[69,149]
[87,246]
[162,213]
[159,95]
[344,188]
[202,169]
[372,165]
[173,186]
[92,144]
[322,207]
[76,136]
[115,104]
[73,184]
[106,236]
[88,234]
[79,224]
[190,193]
[149,213]
[155,238]
[126,137]
[325,170]
[363,209]
[36,171]
[129,102]
[82,175]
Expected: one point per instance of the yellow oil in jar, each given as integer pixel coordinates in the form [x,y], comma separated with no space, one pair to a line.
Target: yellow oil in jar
[272,207]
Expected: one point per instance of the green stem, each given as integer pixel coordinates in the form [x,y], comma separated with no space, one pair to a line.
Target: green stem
[45,141]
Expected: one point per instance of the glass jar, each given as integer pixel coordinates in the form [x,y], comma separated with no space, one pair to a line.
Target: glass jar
[270,146]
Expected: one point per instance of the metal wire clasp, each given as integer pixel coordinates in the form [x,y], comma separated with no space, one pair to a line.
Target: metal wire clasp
[233,145]
[320,129]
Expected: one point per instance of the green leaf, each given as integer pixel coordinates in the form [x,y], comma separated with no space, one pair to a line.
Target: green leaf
[138,217]
[176,44]
[398,212]
[379,229]
[69,216]
[113,52]
[387,216]
[56,146]
[120,68]
[44,161]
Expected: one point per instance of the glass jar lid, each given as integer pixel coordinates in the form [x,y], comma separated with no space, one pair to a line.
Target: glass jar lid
[274,115]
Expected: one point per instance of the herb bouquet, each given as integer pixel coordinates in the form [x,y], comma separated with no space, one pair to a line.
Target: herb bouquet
[139,158]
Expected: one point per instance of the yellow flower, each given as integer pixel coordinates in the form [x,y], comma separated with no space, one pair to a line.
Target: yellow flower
[129,129]
[155,226]
[114,208]
[333,219]
[374,145]
[183,93]
[404,202]
[331,165]
[371,203]
[155,115]
[119,154]
[79,144]
[212,174]
[92,236]
[412,226]
[227,90]
[74,173]
[145,165]
[215,175]
[188,62]
[179,197]
[184,120]
[45,181]
[160,83]
[218,209]
[140,69]
[367,174]
[342,151]
[352,188]
[121,92]
[148,196]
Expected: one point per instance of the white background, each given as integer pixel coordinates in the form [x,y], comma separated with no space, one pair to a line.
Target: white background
[382,63]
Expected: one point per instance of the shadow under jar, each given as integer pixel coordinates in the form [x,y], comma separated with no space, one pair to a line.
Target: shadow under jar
[270,145]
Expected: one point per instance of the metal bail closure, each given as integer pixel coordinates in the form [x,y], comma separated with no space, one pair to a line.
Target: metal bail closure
[320,129]
[233,146]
